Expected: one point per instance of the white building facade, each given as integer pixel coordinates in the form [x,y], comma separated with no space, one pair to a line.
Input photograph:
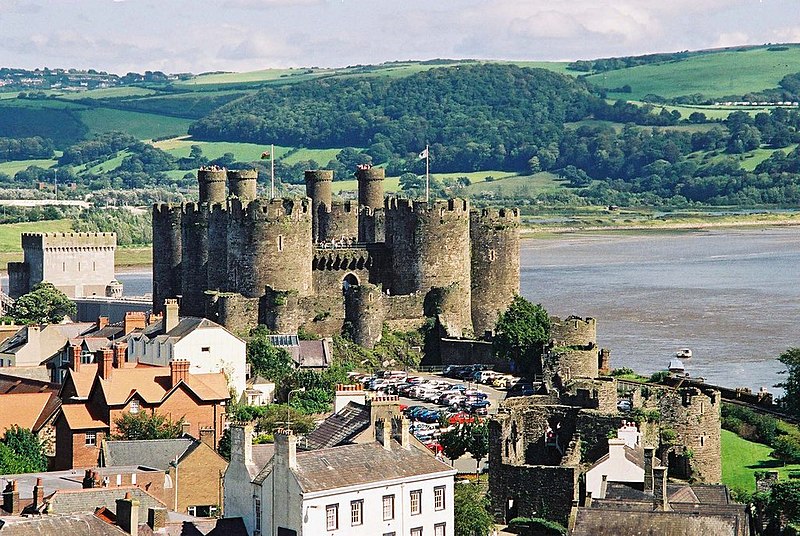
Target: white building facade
[386,487]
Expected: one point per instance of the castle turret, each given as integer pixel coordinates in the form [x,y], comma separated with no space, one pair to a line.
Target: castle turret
[370,186]
[318,188]
[269,244]
[574,353]
[365,311]
[194,258]
[212,184]
[167,253]
[495,264]
[242,183]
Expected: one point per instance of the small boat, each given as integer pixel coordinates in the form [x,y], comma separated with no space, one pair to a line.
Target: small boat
[676,366]
[684,353]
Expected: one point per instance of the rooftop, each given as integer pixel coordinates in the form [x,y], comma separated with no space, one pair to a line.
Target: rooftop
[155,453]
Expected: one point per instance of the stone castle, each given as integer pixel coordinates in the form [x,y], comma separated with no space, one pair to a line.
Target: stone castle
[326,266]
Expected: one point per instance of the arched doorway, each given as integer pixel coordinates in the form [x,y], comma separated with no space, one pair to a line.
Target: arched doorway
[350,280]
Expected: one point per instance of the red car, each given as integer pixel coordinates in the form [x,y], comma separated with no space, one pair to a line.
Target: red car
[461,418]
[434,446]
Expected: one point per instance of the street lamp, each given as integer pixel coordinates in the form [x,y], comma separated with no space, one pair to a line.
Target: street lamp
[288,402]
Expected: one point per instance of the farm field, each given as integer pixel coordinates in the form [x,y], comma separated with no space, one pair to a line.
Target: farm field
[141,125]
[713,75]
[11,168]
[10,232]
[391,184]
[511,184]
[741,458]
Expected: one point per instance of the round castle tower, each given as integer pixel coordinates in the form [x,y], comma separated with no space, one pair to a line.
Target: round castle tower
[495,264]
[167,253]
[365,311]
[575,353]
[269,244]
[212,184]
[194,258]
[370,186]
[318,188]
[242,183]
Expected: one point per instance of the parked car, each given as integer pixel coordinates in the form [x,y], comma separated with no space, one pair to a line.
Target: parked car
[624,405]
[480,407]
[520,389]
[461,417]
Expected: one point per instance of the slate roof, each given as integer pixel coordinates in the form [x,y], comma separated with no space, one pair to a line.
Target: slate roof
[185,326]
[77,501]
[597,522]
[339,428]
[228,526]
[155,453]
[634,456]
[360,464]
[696,493]
[262,454]
[58,525]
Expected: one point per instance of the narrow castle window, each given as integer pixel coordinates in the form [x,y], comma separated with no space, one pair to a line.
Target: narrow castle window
[79,266]
[94,266]
[280,242]
[702,441]
[63,266]
[492,254]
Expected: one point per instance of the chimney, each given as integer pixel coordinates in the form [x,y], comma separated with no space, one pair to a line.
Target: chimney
[405,434]
[603,486]
[242,443]
[616,449]
[88,479]
[102,321]
[104,358]
[133,320]
[383,433]
[11,498]
[170,314]
[649,456]
[588,501]
[156,518]
[178,370]
[348,393]
[75,358]
[128,514]
[660,499]
[38,494]
[185,428]
[207,436]
[285,448]
[120,350]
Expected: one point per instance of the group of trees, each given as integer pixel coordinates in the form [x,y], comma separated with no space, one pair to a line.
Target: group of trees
[470,437]
[44,304]
[21,452]
[25,148]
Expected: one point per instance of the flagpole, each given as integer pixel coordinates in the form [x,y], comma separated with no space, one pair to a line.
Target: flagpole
[272,171]
[427,174]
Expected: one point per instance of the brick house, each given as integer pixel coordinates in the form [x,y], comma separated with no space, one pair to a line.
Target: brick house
[95,396]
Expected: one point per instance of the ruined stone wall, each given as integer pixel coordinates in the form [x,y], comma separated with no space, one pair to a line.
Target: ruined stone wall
[573,331]
[404,313]
[233,311]
[495,264]
[194,255]
[332,265]
[217,266]
[340,221]
[371,225]
[574,352]
[269,244]
[467,352]
[324,316]
[599,394]
[167,251]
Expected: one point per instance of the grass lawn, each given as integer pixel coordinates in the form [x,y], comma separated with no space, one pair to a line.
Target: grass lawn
[133,256]
[391,184]
[243,152]
[10,232]
[11,168]
[754,158]
[713,75]
[741,458]
[141,125]
[510,184]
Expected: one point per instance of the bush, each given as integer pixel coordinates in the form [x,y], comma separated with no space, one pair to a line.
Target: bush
[658,377]
[624,371]
[538,526]
[749,424]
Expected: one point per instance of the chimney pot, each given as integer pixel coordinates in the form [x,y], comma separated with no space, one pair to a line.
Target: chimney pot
[105,359]
[102,321]
[120,350]
[171,314]
[178,369]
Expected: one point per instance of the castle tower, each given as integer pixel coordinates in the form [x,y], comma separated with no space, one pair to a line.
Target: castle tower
[370,186]
[167,253]
[217,266]
[194,258]
[365,311]
[429,246]
[494,235]
[575,352]
[212,184]
[269,244]
[242,183]
[318,188]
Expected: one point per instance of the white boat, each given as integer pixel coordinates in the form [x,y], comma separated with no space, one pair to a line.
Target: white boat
[675,365]
[684,353]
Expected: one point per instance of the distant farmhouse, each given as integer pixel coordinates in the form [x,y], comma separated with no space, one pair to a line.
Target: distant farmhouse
[77,264]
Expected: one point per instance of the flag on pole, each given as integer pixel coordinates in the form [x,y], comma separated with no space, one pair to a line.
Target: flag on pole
[266,155]
[423,154]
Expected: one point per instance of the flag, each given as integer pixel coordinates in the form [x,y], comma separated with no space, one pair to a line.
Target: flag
[265,155]
[423,154]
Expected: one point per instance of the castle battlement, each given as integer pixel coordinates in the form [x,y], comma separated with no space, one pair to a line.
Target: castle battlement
[344,207]
[454,205]
[166,208]
[262,209]
[574,331]
[68,240]
[494,215]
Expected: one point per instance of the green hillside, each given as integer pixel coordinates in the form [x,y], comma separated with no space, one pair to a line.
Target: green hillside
[712,75]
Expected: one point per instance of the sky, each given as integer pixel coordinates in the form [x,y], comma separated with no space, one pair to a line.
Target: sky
[245,35]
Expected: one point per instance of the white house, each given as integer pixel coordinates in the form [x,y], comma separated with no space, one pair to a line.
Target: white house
[625,461]
[383,487]
[208,347]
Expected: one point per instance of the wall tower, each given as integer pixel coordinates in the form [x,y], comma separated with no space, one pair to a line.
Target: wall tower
[212,184]
[318,188]
[167,251]
[242,184]
[194,258]
[370,186]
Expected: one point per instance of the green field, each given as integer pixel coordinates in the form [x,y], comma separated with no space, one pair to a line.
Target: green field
[713,75]
[11,168]
[143,126]
[390,185]
[741,458]
[104,93]
[512,184]
[754,158]
[10,232]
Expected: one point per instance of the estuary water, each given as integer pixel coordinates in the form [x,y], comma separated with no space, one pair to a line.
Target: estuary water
[732,296]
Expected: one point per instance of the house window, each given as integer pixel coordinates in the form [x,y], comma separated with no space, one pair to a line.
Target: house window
[416,532]
[119,480]
[416,502]
[191,510]
[356,512]
[332,517]
[205,349]
[91,439]
[438,498]
[388,507]
[438,529]
[134,406]
[257,510]
[133,478]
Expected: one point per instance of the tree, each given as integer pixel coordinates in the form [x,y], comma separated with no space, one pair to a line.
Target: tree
[478,442]
[267,360]
[471,511]
[791,387]
[454,443]
[785,500]
[521,331]
[787,449]
[144,425]
[44,304]
[21,452]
